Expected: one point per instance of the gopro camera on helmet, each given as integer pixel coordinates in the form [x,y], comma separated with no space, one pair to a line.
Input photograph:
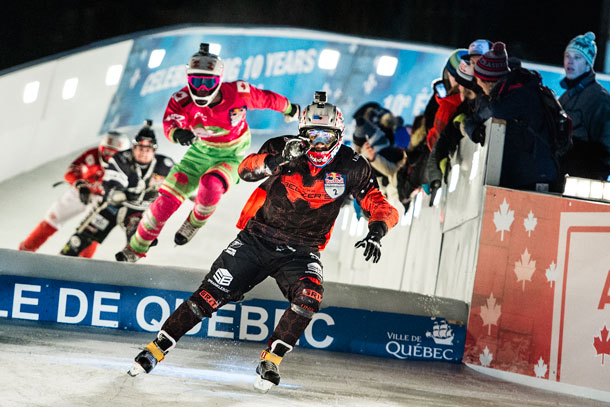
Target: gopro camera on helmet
[319,98]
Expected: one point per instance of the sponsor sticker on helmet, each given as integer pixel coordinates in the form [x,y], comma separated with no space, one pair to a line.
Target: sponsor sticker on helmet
[334,184]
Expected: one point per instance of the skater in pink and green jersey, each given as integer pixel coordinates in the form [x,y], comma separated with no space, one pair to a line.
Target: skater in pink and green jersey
[208,115]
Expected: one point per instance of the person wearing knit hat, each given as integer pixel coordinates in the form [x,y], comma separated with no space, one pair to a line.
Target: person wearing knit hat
[448,104]
[450,70]
[585,46]
[587,102]
[528,154]
[493,65]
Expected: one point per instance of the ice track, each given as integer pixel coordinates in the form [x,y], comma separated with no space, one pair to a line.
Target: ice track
[61,365]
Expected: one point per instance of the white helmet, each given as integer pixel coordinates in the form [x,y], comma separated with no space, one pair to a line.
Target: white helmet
[321,124]
[204,74]
[111,143]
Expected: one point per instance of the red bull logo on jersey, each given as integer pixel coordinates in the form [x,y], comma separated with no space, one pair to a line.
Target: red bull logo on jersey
[334,184]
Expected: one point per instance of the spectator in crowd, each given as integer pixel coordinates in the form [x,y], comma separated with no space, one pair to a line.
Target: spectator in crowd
[528,161]
[588,105]
[445,100]
[449,103]
[374,137]
[449,139]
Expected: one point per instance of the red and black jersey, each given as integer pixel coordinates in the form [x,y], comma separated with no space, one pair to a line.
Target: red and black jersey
[88,167]
[299,203]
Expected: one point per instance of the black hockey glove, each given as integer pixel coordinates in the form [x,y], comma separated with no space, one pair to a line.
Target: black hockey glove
[372,241]
[293,115]
[293,149]
[84,193]
[184,137]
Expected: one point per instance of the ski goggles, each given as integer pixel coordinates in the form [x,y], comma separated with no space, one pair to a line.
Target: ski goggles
[203,82]
[319,136]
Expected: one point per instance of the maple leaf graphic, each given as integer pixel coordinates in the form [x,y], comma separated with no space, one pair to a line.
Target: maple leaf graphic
[602,343]
[551,273]
[503,219]
[530,223]
[524,268]
[540,368]
[485,358]
[490,313]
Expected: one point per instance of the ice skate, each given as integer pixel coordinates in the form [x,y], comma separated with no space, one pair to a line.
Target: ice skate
[268,375]
[185,233]
[154,353]
[268,372]
[128,255]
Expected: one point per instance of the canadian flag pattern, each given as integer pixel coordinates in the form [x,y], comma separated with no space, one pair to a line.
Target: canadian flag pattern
[541,296]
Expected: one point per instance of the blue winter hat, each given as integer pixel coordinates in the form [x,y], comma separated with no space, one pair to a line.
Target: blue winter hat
[477,48]
[584,45]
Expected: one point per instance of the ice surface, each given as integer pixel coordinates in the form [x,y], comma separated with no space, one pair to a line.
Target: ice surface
[60,365]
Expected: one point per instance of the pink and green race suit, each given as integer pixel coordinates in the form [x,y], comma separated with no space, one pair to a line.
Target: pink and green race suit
[211,162]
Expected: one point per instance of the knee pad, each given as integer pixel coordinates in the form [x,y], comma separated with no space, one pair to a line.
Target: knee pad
[206,300]
[306,296]
[211,188]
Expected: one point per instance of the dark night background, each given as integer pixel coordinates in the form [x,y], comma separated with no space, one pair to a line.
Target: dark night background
[535,31]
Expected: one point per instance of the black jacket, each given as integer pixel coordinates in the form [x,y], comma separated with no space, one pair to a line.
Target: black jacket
[528,156]
[588,104]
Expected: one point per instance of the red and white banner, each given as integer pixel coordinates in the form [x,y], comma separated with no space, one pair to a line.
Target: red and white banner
[541,298]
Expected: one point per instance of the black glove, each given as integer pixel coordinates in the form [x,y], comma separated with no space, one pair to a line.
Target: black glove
[184,137]
[293,115]
[372,241]
[293,149]
[84,193]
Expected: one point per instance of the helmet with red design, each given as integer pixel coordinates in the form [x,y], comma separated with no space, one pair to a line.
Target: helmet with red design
[111,143]
[204,74]
[321,125]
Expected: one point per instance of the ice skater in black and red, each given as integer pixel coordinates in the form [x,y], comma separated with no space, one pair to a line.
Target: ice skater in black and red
[285,224]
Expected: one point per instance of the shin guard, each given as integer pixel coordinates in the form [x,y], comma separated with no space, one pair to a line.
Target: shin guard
[37,237]
[152,222]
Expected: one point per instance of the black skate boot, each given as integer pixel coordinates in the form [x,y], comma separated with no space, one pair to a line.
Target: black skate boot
[154,353]
[268,367]
[186,232]
[128,255]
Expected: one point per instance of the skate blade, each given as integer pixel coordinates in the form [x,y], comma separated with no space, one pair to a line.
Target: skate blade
[262,385]
[135,370]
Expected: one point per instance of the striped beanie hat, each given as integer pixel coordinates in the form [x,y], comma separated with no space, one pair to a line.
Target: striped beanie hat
[493,65]
[584,45]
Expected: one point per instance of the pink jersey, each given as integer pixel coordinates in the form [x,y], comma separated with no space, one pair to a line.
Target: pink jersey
[225,123]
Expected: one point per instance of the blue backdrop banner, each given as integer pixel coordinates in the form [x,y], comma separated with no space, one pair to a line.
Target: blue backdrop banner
[142,309]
